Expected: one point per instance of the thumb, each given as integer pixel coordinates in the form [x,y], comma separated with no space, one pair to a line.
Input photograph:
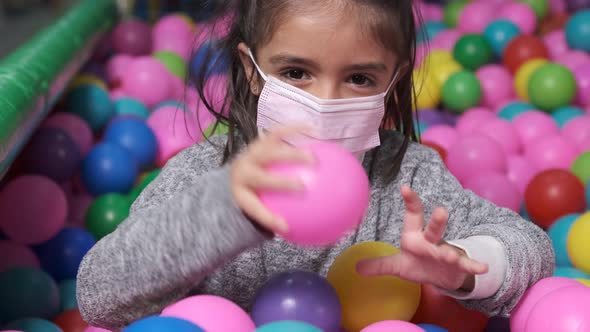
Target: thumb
[388,265]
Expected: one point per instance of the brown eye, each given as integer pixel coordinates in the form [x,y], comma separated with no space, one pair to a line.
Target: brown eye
[295,74]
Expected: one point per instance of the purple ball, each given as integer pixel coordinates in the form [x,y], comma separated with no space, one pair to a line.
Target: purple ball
[498,324]
[575,5]
[52,153]
[432,117]
[132,37]
[298,295]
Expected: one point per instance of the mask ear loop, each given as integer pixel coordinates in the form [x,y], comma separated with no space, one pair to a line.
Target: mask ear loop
[256,65]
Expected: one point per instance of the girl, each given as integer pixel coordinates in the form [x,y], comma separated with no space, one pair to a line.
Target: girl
[343,67]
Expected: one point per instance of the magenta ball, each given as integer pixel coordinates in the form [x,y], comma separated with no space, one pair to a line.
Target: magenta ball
[474,154]
[496,188]
[564,310]
[521,14]
[334,200]
[33,209]
[551,152]
[116,67]
[147,80]
[132,37]
[476,16]
[533,125]
[582,75]
[74,126]
[16,255]
[443,135]
[572,59]
[95,329]
[174,34]
[445,40]
[556,44]
[502,132]
[520,171]
[78,206]
[470,121]
[557,6]
[393,325]
[173,24]
[496,85]
[577,131]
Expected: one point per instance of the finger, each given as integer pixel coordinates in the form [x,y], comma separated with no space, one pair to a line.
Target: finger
[435,229]
[414,217]
[264,154]
[260,179]
[253,208]
[388,265]
[452,257]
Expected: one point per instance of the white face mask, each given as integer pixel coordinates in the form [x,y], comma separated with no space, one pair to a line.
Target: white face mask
[352,122]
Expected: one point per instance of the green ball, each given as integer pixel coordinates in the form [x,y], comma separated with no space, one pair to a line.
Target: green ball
[106,213]
[461,91]
[551,86]
[452,12]
[216,128]
[472,51]
[27,292]
[173,62]
[143,183]
[540,7]
[67,295]
[581,167]
[33,325]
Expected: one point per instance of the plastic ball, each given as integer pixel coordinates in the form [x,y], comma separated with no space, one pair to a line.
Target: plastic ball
[520,171]
[475,16]
[71,321]
[521,313]
[461,91]
[92,104]
[86,79]
[144,182]
[565,309]
[572,59]
[472,51]
[581,167]
[569,272]
[441,72]
[533,125]
[521,49]
[173,24]
[367,300]
[312,219]
[392,325]
[552,86]
[577,246]
[132,37]
[540,7]
[173,34]
[432,117]
[95,329]
[577,31]
[136,137]
[441,152]
[523,76]
[147,80]
[427,89]
[496,188]
[564,114]
[555,43]
[33,209]
[576,5]
[551,152]
[27,292]
[559,232]
[582,76]
[116,67]
[210,58]
[287,326]
[33,325]
[472,119]
[129,106]
[106,213]
[553,194]
[78,205]
[432,328]
[443,135]
[74,126]
[513,109]
[445,40]
[452,12]
[503,133]
[577,131]
[211,313]
[173,62]
[430,29]
[499,33]
[16,255]
[67,295]
[298,295]
[109,168]
[474,154]
[522,15]
[163,324]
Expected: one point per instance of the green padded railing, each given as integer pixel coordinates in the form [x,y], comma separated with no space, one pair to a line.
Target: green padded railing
[34,76]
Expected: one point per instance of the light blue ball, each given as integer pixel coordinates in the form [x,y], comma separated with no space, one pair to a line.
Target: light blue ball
[33,325]
[130,106]
[288,326]
[588,194]
[570,272]
[162,324]
[524,213]
[499,33]
[429,30]
[558,232]
[577,31]
[432,328]
[514,109]
[564,114]
[109,168]
[174,103]
[67,295]
[92,104]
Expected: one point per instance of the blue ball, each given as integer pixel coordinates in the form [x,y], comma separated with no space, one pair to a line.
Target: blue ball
[61,255]
[175,103]
[92,104]
[558,232]
[109,168]
[432,328]
[130,106]
[524,213]
[213,57]
[514,109]
[288,326]
[564,114]
[499,33]
[577,31]
[136,137]
[67,295]
[163,324]
[570,272]
[429,30]
[33,325]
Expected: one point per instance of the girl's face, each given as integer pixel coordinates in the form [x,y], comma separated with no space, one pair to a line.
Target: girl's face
[330,55]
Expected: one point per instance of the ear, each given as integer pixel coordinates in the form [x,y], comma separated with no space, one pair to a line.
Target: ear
[249,69]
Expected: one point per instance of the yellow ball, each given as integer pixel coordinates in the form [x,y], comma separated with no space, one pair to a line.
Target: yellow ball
[578,246]
[87,79]
[584,281]
[366,300]
[428,92]
[523,75]
[437,57]
[444,70]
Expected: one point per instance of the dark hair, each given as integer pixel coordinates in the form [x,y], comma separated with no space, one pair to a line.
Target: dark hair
[391,22]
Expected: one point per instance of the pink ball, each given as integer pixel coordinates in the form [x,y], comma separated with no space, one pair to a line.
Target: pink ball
[78,205]
[16,255]
[33,209]
[116,67]
[496,188]
[557,6]
[474,154]
[215,91]
[520,171]
[443,135]
[502,132]
[582,75]
[173,24]
[421,51]
[174,34]
[211,313]
[476,16]
[178,88]
[433,12]
[147,80]
[216,30]
[552,152]
[521,313]
[572,59]
[75,126]
[393,325]
[95,329]
[175,131]
[178,44]
[532,125]
[496,84]
[334,200]
[117,94]
[522,15]
[565,310]
[132,37]
[445,39]
[556,43]
[577,131]
[472,119]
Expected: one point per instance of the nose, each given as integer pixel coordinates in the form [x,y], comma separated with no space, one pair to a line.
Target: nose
[327,89]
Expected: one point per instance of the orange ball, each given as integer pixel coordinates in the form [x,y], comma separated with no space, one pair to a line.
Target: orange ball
[71,321]
[441,151]
[521,49]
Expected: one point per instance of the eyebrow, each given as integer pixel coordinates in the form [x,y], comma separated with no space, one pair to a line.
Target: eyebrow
[285,59]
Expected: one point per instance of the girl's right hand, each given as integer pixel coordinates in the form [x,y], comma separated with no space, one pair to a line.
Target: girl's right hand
[248,175]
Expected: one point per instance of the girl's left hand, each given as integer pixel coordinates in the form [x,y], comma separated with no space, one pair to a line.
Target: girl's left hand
[424,257]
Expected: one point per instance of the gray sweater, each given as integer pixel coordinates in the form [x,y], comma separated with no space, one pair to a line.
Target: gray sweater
[185,235]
